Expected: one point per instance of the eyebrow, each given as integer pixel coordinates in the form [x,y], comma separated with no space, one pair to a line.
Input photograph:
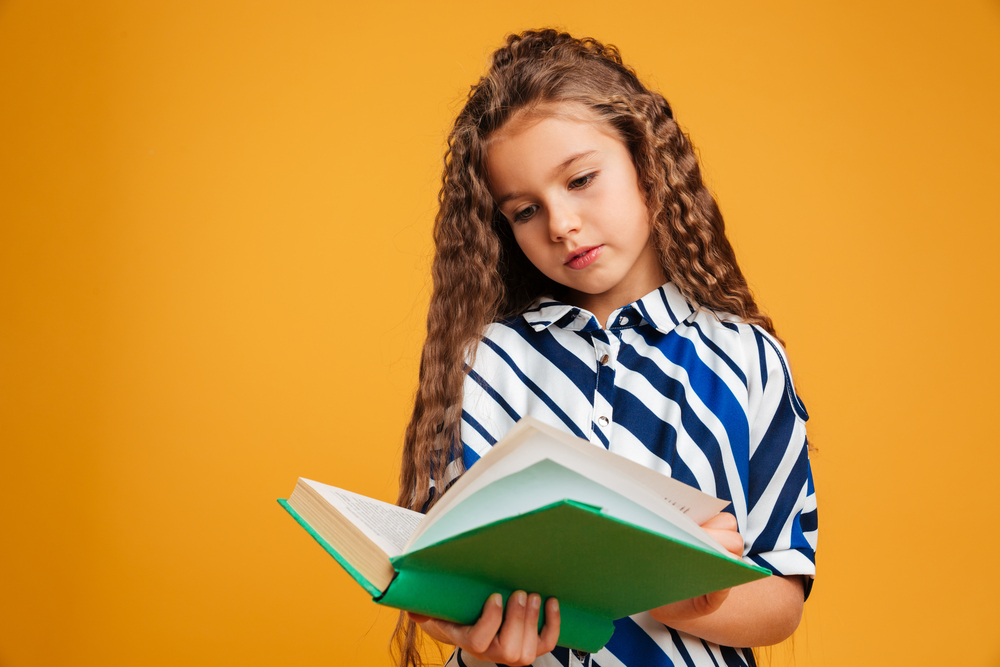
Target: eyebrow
[560,167]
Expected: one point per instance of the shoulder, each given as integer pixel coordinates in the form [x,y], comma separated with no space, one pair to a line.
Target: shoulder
[516,325]
[543,332]
[760,357]
[503,349]
[502,337]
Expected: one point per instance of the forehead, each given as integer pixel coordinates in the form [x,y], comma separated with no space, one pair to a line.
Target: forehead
[529,117]
[533,143]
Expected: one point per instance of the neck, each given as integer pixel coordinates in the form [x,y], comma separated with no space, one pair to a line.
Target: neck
[602,305]
[645,275]
[600,308]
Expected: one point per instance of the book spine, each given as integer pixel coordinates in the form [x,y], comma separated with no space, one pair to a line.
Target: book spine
[367,585]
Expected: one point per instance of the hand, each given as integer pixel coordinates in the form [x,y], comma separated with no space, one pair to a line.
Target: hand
[512,639]
[723,528]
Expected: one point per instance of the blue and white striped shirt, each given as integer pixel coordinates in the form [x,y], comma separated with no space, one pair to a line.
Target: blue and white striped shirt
[697,395]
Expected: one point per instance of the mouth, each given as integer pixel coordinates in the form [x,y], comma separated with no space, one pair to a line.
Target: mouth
[583,257]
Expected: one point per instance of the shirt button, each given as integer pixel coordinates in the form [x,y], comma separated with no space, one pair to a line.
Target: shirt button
[623,321]
[604,360]
[603,421]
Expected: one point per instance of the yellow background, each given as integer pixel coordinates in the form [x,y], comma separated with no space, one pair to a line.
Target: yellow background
[214,244]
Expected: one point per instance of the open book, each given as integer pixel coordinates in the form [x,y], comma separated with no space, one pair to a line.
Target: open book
[545,512]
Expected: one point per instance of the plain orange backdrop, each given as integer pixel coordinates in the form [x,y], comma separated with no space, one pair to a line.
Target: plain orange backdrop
[214,251]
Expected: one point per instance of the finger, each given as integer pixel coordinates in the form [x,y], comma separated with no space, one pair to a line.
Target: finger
[721,521]
[512,632]
[530,632]
[550,632]
[730,540]
[686,610]
[478,638]
[417,618]
[513,622]
[707,604]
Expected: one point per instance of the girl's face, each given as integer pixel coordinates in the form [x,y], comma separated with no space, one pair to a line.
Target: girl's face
[567,186]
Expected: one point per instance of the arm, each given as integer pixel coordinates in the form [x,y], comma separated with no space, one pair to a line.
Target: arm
[781,529]
[511,638]
[759,613]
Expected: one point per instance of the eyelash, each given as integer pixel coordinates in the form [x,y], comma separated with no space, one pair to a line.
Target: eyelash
[525,213]
[587,180]
[528,211]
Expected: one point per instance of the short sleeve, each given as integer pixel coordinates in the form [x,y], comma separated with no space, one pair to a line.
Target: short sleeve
[781,525]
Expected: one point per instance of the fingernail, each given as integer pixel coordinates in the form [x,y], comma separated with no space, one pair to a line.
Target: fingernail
[521,597]
[555,605]
[536,601]
[497,599]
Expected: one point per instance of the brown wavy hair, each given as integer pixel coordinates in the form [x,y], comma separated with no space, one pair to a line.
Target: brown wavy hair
[480,275]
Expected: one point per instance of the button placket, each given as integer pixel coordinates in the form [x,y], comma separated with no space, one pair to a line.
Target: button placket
[606,352]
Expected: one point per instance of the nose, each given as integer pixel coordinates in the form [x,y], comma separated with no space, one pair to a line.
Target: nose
[563,222]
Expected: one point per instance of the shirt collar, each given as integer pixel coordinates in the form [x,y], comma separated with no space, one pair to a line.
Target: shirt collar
[664,309]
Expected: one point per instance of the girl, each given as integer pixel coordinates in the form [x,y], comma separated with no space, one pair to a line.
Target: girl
[582,275]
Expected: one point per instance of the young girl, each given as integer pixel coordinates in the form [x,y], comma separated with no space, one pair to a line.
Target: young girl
[582,276]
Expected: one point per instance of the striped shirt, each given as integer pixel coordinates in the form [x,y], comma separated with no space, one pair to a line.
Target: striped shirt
[697,395]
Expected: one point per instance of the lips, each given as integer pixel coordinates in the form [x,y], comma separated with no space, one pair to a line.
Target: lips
[583,257]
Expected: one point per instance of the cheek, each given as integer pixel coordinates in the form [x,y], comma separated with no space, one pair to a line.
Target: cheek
[639,219]
[527,239]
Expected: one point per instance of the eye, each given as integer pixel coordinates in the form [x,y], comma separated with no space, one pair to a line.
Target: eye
[525,213]
[582,181]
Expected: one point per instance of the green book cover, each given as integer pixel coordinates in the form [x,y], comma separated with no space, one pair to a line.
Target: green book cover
[547,529]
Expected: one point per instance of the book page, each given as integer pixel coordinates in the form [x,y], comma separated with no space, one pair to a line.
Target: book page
[531,441]
[540,485]
[388,526]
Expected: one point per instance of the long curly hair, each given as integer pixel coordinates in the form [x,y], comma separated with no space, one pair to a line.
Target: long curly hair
[480,275]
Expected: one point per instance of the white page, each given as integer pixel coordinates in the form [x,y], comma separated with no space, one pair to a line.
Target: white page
[531,441]
[537,486]
[387,525]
